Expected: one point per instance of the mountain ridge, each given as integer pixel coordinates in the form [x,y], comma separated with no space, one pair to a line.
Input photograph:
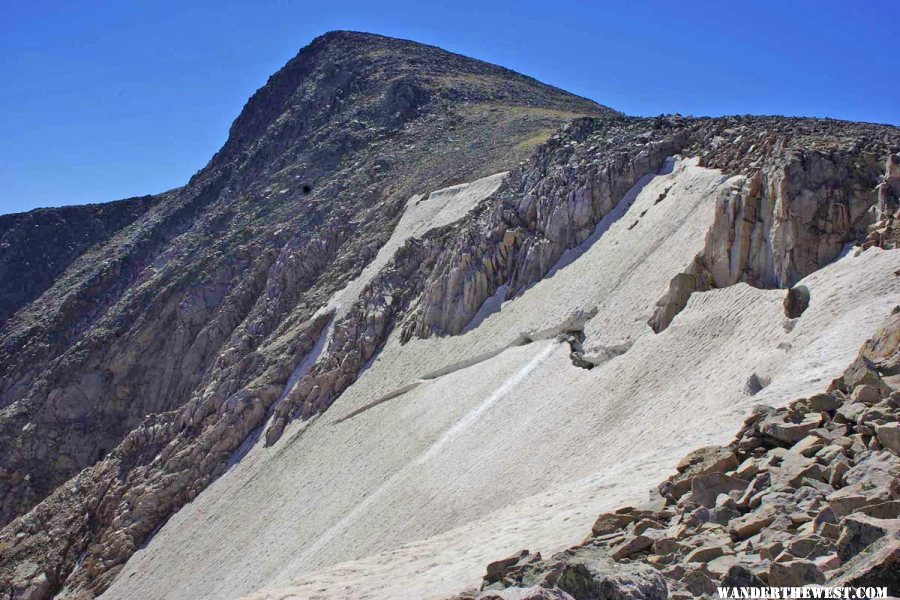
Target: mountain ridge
[206,324]
[271,219]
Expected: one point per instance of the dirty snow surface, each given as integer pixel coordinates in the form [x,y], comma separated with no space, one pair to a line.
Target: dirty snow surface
[451,452]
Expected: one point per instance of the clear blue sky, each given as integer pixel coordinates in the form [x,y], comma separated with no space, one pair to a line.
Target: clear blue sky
[110,99]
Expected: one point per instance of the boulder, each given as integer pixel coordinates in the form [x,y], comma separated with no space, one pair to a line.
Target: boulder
[718,567]
[796,301]
[877,566]
[667,546]
[751,523]
[859,531]
[882,510]
[497,570]
[750,497]
[824,402]
[836,471]
[740,576]
[808,446]
[849,413]
[793,469]
[810,547]
[874,469]
[703,461]
[608,523]
[704,554]
[794,573]
[706,488]
[530,593]
[846,500]
[777,426]
[631,545]
[889,436]
[699,581]
[866,394]
[590,573]
[647,524]
[862,372]
[722,515]
[748,469]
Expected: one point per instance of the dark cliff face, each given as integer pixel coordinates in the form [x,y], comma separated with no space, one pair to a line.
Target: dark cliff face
[38,246]
[155,299]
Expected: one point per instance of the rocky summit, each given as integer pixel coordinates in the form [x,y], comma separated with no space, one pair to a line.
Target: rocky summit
[420,313]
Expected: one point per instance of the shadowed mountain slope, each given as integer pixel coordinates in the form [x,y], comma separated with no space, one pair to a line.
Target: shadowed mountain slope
[37,246]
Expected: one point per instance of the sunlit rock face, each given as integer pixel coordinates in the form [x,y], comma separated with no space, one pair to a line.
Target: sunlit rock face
[421,312]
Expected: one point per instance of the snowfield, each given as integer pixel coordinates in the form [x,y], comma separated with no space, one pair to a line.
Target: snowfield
[451,452]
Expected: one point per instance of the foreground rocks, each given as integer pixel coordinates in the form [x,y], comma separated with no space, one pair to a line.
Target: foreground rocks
[808,494]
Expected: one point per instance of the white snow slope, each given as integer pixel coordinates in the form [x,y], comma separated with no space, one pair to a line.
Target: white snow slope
[409,495]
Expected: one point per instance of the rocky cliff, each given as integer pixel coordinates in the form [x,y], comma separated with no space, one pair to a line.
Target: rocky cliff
[214,320]
[306,189]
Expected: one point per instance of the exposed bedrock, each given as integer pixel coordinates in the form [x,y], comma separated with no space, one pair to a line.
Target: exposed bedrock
[434,285]
[204,325]
[790,217]
[190,321]
[775,226]
[211,283]
[885,232]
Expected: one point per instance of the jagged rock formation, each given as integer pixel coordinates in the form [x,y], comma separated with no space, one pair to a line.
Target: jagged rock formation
[313,262]
[805,494]
[292,200]
[206,297]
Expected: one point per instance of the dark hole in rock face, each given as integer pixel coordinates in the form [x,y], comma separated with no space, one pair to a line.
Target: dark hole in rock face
[306,189]
[796,301]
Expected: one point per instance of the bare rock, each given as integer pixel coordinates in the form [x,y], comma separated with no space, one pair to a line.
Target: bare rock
[866,394]
[808,446]
[706,488]
[889,436]
[711,459]
[631,545]
[863,372]
[704,554]
[608,523]
[794,573]
[752,523]
[874,469]
[740,576]
[810,547]
[531,593]
[498,569]
[858,531]
[876,566]
[824,402]
[698,581]
[789,432]
[796,301]
[591,574]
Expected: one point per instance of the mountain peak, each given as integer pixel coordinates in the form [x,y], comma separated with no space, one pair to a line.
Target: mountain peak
[346,78]
[434,251]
